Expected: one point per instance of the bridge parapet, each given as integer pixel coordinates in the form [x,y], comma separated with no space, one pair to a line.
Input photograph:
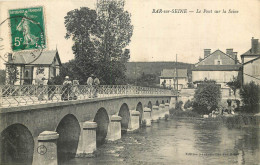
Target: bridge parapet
[19,95]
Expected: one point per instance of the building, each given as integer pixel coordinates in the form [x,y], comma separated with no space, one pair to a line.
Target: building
[170,77]
[218,66]
[253,52]
[251,63]
[29,71]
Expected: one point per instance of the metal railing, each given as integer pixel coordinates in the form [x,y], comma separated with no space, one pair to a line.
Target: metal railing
[19,95]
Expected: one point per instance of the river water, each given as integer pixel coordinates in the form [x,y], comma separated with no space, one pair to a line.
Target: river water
[181,141]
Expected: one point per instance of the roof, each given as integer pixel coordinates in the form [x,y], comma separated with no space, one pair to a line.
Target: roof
[252,60]
[250,53]
[170,73]
[45,58]
[217,51]
[217,68]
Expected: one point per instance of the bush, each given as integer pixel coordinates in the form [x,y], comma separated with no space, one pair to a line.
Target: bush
[208,95]
[249,94]
[188,104]
[180,113]
[178,105]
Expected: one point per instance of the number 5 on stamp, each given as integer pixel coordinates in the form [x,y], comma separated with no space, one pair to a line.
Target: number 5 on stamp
[27,28]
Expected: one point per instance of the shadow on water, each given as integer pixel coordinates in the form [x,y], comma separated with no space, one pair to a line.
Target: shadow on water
[69,131]
[16,145]
[102,121]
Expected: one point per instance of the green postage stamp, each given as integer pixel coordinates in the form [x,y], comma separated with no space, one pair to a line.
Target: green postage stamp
[27,28]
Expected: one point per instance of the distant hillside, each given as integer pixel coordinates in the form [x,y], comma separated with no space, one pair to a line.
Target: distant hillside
[136,69]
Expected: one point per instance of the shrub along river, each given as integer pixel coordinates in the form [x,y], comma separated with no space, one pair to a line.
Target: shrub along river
[182,141]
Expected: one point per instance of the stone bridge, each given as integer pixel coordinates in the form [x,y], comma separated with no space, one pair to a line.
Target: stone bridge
[51,132]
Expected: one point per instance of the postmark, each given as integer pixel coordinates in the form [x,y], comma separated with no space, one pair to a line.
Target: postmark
[27,34]
[41,150]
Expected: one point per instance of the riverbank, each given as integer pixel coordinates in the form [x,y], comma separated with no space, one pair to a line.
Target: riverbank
[237,120]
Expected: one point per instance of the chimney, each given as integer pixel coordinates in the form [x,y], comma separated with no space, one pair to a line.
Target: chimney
[207,52]
[229,52]
[10,58]
[254,46]
[235,57]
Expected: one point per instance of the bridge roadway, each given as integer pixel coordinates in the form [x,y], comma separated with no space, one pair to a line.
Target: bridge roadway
[73,125]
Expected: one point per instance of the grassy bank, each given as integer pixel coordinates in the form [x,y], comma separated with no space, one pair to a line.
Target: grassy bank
[234,121]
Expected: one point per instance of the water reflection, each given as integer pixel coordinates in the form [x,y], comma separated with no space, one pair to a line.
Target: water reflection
[181,141]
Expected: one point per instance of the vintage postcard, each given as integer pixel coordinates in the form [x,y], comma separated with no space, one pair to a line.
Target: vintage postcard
[129,82]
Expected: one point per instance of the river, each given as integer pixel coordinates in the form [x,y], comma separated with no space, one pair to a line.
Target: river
[181,141]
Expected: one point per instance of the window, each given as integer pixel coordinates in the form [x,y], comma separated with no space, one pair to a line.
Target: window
[217,62]
[26,73]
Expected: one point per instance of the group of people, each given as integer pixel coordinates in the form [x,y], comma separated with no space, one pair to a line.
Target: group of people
[70,89]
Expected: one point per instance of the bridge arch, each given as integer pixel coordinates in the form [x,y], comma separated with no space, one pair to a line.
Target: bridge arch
[157,103]
[139,108]
[16,145]
[102,120]
[125,114]
[69,132]
[150,105]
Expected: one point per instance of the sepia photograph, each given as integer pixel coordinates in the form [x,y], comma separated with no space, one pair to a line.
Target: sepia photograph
[130,82]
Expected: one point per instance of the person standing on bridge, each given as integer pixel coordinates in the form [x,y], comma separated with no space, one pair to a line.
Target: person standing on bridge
[96,85]
[90,82]
[66,90]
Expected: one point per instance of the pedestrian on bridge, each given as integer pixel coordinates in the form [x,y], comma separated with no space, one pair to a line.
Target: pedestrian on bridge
[66,90]
[90,82]
[96,86]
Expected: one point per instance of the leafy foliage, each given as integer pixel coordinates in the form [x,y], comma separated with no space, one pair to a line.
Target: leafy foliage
[234,84]
[178,105]
[100,40]
[2,77]
[188,104]
[207,96]
[250,95]
[13,74]
[147,80]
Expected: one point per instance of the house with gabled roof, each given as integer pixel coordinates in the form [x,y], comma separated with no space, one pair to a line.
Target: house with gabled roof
[218,66]
[251,63]
[253,52]
[170,76]
[30,71]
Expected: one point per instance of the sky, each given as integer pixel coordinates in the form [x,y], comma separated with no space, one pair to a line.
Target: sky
[157,36]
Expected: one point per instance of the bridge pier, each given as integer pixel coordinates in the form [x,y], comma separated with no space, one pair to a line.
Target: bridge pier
[87,140]
[135,122]
[161,111]
[47,148]
[155,114]
[167,108]
[147,116]
[114,128]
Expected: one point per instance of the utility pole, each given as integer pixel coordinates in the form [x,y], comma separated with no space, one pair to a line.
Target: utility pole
[177,71]
[177,77]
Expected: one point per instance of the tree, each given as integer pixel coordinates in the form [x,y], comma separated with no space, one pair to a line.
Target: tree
[147,80]
[79,24]
[207,96]
[250,96]
[12,74]
[100,40]
[113,33]
[2,77]
[234,84]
